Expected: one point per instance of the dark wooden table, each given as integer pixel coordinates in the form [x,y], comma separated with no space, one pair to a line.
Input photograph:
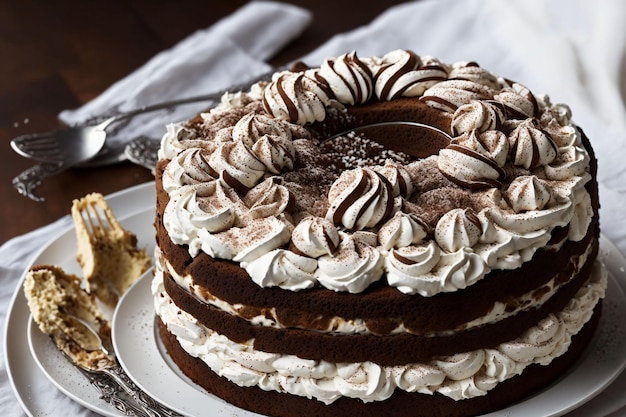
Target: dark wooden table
[56,55]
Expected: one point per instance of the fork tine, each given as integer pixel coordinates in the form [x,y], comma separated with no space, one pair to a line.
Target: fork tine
[82,215]
[106,219]
[43,147]
[91,219]
[38,145]
[32,136]
[85,212]
[36,141]
[72,145]
[98,218]
[99,227]
[110,218]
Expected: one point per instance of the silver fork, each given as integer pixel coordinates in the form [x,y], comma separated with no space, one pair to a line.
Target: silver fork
[143,151]
[94,354]
[70,146]
[111,393]
[26,182]
[77,143]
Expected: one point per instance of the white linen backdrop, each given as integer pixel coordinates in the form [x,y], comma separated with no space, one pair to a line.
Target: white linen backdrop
[574,50]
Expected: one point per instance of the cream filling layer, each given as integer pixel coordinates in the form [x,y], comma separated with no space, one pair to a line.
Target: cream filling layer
[340,325]
[464,375]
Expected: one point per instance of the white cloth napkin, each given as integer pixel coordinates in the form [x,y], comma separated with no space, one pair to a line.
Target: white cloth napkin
[572,50]
[232,50]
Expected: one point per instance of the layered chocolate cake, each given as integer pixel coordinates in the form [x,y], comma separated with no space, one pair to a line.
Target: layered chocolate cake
[377,236]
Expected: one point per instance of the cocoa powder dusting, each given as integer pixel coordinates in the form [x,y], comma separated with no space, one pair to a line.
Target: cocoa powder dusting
[431,205]
[425,176]
[208,124]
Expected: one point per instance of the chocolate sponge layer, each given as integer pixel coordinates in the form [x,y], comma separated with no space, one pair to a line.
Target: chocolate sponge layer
[393,349]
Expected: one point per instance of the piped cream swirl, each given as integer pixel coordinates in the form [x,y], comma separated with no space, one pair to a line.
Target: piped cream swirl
[572,162]
[206,206]
[402,230]
[469,168]
[315,236]
[528,193]
[360,198]
[188,167]
[471,71]
[267,199]
[531,146]
[237,165]
[352,268]
[457,229]
[519,102]
[176,139]
[295,98]
[492,143]
[398,177]
[449,95]
[283,268]
[402,73]
[350,79]
[478,115]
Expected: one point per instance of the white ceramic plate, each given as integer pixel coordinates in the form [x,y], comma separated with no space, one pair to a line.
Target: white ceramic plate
[30,375]
[142,355]
[137,344]
[24,371]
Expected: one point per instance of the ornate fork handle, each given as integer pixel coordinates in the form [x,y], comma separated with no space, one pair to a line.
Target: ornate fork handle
[26,182]
[143,151]
[150,406]
[114,395]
